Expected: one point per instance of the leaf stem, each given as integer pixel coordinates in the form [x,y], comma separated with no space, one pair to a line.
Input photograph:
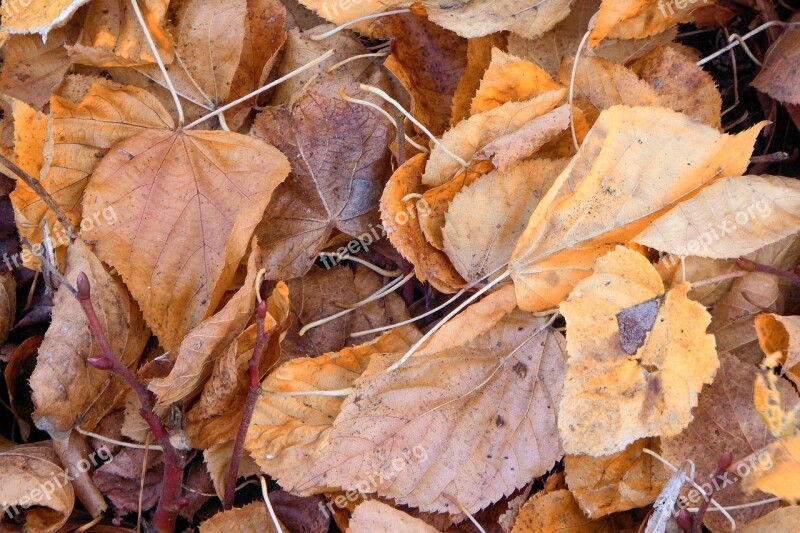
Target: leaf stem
[170,501]
[247,414]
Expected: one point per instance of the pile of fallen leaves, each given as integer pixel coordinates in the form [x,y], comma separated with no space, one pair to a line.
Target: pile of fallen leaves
[358,265]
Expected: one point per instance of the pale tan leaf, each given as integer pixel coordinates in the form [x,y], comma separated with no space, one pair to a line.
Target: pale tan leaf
[218,462]
[471,402]
[625,174]
[66,389]
[783,519]
[659,379]
[241,520]
[187,203]
[376,517]
[485,220]
[482,17]
[287,434]
[636,19]
[730,218]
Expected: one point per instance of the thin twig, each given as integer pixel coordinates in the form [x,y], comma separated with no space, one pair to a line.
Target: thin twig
[40,191]
[752,266]
[49,267]
[247,414]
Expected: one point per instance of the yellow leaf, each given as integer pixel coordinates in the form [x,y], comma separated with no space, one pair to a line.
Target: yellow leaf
[732,217]
[556,511]
[37,16]
[620,388]
[779,473]
[625,175]
[484,387]
[784,519]
[635,19]
[241,520]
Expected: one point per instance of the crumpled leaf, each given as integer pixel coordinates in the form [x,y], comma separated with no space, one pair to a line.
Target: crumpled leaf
[780,474]
[401,220]
[206,342]
[617,482]
[510,79]
[112,37]
[8,303]
[467,137]
[287,434]
[659,383]
[37,16]
[187,203]
[485,219]
[625,173]
[428,61]
[779,337]
[66,389]
[376,517]
[339,153]
[81,134]
[732,217]
[485,385]
[725,420]
[320,294]
[636,19]
[215,417]
[33,482]
[241,520]
[479,56]
[549,512]
[32,69]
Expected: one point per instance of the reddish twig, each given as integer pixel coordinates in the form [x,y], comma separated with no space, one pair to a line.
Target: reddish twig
[722,465]
[249,406]
[752,266]
[171,501]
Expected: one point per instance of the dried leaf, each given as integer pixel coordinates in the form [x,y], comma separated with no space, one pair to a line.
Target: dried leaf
[779,473]
[287,434]
[549,512]
[31,482]
[178,193]
[402,226]
[376,517]
[485,219]
[617,482]
[339,153]
[783,519]
[112,36]
[218,462]
[748,213]
[485,385]
[241,520]
[780,334]
[724,420]
[778,77]
[660,382]
[8,303]
[636,19]
[66,389]
[206,342]
[469,136]
[37,16]
[624,175]
[428,61]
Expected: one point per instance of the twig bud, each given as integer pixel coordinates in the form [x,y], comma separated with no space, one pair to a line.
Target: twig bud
[84,288]
[101,363]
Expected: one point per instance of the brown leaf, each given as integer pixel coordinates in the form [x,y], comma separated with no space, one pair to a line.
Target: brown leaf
[401,222]
[187,203]
[724,420]
[66,389]
[287,434]
[428,61]
[660,382]
[339,154]
[32,69]
[31,480]
[479,56]
[376,517]
[778,76]
[485,384]
[485,220]
[241,520]
[320,294]
[218,461]
[207,342]
[617,482]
